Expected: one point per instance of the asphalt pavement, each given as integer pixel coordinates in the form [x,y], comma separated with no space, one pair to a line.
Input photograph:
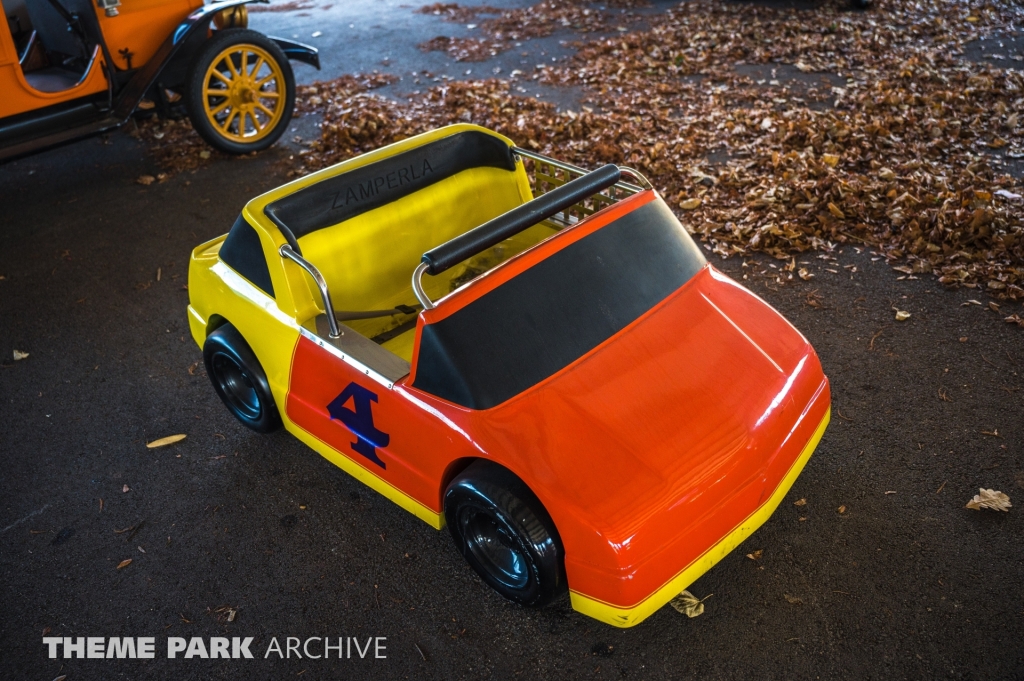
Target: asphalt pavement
[882,573]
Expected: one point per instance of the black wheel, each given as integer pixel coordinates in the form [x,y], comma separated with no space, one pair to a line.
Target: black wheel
[239,379]
[240,91]
[505,534]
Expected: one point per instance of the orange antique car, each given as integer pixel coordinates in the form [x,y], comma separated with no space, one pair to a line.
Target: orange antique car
[74,68]
[547,365]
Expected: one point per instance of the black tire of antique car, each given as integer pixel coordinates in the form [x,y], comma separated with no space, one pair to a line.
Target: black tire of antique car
[239,379]
[265,97]
[505,534]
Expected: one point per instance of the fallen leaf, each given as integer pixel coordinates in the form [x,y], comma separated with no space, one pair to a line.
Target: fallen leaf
[842,509]
[689,204]
[756,555]
[886,174]
[126,489]
[141,550]
[834,209]
[124,563]
[804,274]
[18,354]
[204,154]
[800,502]
[831,160]
[146,180]
[1015,319]
[793,599]
[902,315]
[688,604]
[164,441]
[1010,196]
[989,498]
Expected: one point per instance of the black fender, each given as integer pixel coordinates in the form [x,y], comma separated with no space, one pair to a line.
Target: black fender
[298,51]
[179,46]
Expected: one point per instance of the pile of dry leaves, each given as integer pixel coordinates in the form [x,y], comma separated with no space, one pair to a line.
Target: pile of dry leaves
[893,150]
[513,25]
[173,143]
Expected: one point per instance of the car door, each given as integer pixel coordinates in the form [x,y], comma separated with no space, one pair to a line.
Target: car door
[341,392]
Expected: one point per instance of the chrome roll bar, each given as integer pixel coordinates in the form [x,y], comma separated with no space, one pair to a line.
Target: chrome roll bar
[417,287]
[618,191]
[642,182]
[287,252]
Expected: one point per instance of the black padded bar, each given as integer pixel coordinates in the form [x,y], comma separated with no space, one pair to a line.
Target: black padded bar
[342,197]
[494,231]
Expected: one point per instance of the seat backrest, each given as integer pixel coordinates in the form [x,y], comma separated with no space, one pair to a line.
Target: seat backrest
[368,260]
[367,228]
[54,30]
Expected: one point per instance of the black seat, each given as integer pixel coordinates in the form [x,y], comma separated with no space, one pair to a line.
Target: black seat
[54,30]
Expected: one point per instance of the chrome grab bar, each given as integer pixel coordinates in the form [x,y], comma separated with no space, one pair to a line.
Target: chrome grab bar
[287,252]
[437,260]
[417,287]
[576,170]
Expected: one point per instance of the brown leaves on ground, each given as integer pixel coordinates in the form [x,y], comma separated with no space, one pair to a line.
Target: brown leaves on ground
[454,12]
[889,156]
[124,563]
[174,145]
[688,604]
[523,23]
[320,95]
[164,441]
[463,49]
[991,499]
[224,613]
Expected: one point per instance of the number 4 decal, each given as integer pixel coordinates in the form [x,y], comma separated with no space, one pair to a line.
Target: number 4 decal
[359,419]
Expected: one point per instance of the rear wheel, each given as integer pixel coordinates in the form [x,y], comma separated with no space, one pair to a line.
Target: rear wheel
[240,380]
[505,534]
[240,91]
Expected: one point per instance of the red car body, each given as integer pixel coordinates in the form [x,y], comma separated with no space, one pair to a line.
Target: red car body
[655,452]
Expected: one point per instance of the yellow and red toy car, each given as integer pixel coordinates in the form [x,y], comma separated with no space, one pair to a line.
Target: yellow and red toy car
[74,68]
[586,403]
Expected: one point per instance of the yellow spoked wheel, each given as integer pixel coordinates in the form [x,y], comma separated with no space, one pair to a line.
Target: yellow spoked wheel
[242,91]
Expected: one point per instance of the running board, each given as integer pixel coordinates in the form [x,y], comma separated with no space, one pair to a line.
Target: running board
[27,135]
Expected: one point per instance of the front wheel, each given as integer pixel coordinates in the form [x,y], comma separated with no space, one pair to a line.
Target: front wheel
[240,91]
[505,534]
[239,379]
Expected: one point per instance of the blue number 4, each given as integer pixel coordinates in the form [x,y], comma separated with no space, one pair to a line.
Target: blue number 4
[359,420]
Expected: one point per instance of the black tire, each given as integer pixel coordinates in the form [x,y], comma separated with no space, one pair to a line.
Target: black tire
[244,97]
[239,379]
[506,535]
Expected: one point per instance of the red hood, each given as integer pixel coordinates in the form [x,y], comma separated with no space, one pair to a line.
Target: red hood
[650,434]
